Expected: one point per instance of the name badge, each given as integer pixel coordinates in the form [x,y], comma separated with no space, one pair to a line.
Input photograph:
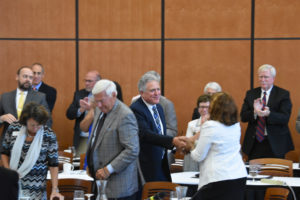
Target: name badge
[15,133]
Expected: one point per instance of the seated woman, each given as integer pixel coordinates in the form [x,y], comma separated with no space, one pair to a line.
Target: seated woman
[222,170]
[193,130]
[30,147]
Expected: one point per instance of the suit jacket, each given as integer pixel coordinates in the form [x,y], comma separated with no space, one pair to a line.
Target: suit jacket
[50,94]
[298,122]
[170,116]
[152,144]
[8,104]
[118,145]
[279,135]
[72,114]
[9,185]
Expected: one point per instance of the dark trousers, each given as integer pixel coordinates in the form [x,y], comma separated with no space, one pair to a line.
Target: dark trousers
[261,150]
[222,190]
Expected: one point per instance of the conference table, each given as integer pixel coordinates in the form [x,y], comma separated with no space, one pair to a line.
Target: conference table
[255,190]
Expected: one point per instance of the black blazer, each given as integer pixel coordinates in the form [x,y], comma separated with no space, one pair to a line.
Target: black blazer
[72,114]
[50,94]
[9,186]
[279,135]
[151,143]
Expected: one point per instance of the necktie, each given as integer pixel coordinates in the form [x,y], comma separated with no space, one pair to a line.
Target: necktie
[156,119]
[95,136]
[20,104]
[261,123]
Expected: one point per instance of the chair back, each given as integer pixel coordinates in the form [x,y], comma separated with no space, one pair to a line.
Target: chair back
[293,156]
[82,157]
[64,157]
[68,186]
[276,193]
[274,166]
[152,188]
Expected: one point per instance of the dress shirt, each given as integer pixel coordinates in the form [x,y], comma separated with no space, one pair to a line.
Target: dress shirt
[37,87]
[18,93]
[149,106]
[218,151]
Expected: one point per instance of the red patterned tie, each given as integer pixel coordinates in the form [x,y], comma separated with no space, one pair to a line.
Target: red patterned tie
[261,123]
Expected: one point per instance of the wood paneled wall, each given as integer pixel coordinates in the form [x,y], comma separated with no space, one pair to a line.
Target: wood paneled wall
[191,42]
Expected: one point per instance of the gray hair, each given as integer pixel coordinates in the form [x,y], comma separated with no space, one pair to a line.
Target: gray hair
[154,73]
[105,85]
[213,85]
[266,67]
[147,77]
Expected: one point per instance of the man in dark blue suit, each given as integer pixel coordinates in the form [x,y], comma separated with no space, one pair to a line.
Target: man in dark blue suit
[39,85]
[267,134]
[9,184]
[152,131]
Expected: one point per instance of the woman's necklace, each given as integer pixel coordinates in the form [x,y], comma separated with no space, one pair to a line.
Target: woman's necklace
[30,136]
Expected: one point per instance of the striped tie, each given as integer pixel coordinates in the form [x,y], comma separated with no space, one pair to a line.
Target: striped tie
[20,104]
[261,123]
[156,118]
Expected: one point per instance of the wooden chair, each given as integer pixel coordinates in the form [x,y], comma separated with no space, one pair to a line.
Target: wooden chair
[276,193]
[274,166]
[293,156]
[68,186]
[82,157]
[152,188]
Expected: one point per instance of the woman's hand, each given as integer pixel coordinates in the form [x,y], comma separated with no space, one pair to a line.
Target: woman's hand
[55,193]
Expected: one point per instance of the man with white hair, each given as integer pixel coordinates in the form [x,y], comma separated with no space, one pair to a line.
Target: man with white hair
[267,110]
[113,146]
[210,88]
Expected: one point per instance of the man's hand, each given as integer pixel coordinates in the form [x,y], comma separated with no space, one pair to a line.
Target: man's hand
[179,142]
[257,105]
[102,173]
[84,104]
[9,118]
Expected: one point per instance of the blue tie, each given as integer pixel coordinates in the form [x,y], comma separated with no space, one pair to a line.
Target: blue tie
[156,118]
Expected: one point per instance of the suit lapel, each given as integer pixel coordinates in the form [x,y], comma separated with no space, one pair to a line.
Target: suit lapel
[148,113]
[12,102]
[111,116]
[272,96]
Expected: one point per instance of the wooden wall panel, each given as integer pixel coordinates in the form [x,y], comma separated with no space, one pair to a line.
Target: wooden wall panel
[207,18]
[124,62]
[189,65]
[37,19]
[277,18]
[58,59]
[284,56]
[120,19]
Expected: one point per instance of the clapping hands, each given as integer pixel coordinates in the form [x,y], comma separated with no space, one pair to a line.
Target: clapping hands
[258,108]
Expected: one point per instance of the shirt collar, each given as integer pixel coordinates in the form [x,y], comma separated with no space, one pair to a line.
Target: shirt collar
[37,87]
[268,91]
[19,91]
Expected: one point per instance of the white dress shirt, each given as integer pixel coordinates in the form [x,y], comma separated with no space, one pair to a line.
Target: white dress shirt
[218,151]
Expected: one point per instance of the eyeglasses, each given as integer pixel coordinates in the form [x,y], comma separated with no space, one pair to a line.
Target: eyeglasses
[202,107]
[89,81]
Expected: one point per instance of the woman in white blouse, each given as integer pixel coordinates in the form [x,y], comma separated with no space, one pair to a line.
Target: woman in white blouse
[222,170]
[193,130]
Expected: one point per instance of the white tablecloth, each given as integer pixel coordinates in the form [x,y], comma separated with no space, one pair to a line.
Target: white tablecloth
[78,174]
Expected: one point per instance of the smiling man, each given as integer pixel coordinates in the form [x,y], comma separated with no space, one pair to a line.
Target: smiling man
[152,131]
[267,110]
[12,103]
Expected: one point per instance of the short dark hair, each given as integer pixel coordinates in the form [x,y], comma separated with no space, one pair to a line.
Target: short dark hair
[19,70]
[223,109]
[203,98]
[34,111]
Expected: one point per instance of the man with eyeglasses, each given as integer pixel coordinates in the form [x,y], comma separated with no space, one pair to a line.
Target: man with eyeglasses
[267,110]
[39,85]
[12,103]
[79,108]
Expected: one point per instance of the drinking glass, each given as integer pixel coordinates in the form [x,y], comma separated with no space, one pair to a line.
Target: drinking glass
[72,148]
[89,196]
[181,191]
[78,195]
[254,170]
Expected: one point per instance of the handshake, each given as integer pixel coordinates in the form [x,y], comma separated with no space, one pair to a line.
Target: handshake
[184,144]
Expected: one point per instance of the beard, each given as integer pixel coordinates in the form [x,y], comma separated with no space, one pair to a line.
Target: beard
[25,86]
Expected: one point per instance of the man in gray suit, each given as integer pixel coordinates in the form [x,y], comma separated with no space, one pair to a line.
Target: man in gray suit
[9,108]
[113,146]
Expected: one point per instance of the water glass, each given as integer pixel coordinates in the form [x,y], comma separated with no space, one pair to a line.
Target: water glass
[78,195]
[173,195]
[254,169]
[181,191]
